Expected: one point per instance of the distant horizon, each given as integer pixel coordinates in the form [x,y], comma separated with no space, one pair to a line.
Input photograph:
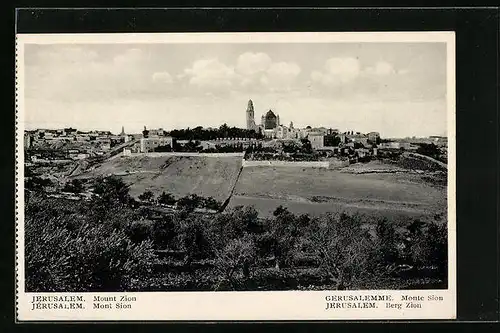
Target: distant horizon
[206,127]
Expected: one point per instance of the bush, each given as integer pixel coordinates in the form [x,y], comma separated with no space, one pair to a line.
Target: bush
[237,255]
[386,243]
[139,231]
[86,259]
[166,199]
[189,202]
[193,238]
[111,190]
[343,249]
[147,196]
[211,203]
[74,186]
[37,183]
[164,233]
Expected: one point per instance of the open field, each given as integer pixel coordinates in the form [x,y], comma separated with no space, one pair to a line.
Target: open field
[180,175]
[316,191]
[375,188]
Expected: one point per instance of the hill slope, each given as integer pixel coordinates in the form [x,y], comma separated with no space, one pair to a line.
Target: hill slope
[180,175]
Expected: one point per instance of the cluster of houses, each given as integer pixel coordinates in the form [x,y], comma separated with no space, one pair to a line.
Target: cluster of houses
[326,140]
[75,144]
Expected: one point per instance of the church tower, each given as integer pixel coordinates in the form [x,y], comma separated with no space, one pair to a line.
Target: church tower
[250,116]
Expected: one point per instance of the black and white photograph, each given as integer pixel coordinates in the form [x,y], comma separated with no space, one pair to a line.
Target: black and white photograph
[256,165]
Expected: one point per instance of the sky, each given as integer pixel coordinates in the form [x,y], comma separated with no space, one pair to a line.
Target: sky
[397,89]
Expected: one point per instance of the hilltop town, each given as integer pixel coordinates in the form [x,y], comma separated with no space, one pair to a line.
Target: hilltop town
[268,140]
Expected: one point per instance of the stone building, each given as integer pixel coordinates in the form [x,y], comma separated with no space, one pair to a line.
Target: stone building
[154,138]
[373,136]
[270,120]
[251,116]
[317,139]
[149,144]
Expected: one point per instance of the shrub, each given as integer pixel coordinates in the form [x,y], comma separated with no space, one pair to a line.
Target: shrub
[85,259]
[163,232]
[342,247]
[211,203]
[73,186]
[37,184]
[237,255]
[193,238]
[166,199]
[147,196]
[386,243]
[427,244]
[189,202]
[139,231]
[111,190]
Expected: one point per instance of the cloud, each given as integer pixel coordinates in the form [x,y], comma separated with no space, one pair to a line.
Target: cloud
[81,73]
[280,75]
[65,54]
[338,71]
[210,73]
[162,77]
[381,68]
[253,71]
[129,57]
[252,63]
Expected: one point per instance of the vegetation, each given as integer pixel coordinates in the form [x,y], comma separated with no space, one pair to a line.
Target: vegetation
[224,131]
[74,186]
[433,151]
[113,244]
[189,202]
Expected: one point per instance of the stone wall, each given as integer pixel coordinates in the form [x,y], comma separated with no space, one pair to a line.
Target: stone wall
[302,164]
[337,163]
[188,154]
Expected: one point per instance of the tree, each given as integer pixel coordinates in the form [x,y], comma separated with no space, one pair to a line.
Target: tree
[166,148]
[36,183]
[237,255]
[430,150]
[166,199]
[358,145]
[290,148]
[283,232]
[386,244]
[342,248]
[306,146]
[164,232]
[438,254]
[193,237]
[189,202]
[89,257]
[147,196]
[111,190]
[211,203]
[73,186]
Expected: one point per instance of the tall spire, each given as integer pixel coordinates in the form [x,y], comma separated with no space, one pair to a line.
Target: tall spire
[123,131]
[250,116]
[250,105]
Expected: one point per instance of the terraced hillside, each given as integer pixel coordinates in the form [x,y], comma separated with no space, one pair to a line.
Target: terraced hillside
[180,175]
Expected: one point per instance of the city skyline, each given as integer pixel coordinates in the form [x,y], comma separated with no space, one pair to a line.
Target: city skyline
[353,86]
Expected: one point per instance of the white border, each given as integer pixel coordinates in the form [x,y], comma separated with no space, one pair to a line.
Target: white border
[211,306]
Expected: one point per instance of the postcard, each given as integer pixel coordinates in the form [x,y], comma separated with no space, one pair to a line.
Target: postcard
[235,176]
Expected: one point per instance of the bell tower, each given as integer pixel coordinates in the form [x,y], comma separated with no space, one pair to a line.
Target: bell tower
[250,116]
